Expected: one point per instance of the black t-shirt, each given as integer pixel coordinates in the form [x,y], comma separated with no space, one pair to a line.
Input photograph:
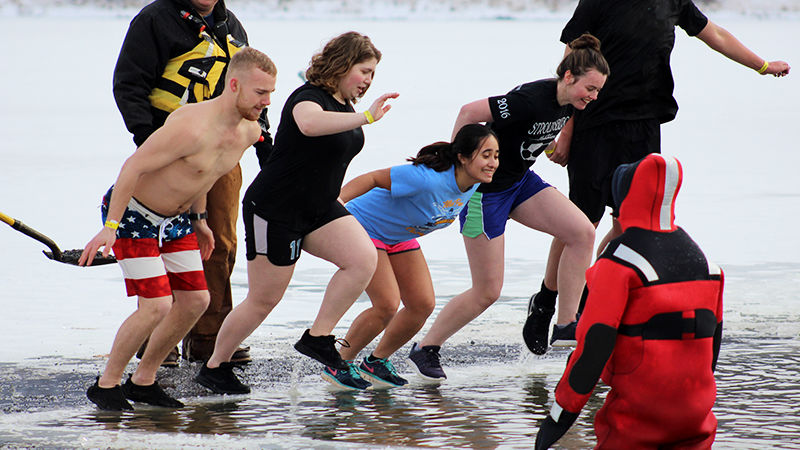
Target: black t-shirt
[304,175]
[526,120]
[636,38]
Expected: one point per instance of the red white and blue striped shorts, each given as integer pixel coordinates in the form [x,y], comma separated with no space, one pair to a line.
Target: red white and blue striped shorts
[151,271]
[157,254]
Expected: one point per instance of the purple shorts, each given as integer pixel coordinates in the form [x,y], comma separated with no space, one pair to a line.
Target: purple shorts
[487,212]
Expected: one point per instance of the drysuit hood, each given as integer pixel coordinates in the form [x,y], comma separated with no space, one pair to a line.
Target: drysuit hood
[644,192]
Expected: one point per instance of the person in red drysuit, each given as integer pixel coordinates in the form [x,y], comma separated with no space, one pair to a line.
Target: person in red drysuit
[652,325]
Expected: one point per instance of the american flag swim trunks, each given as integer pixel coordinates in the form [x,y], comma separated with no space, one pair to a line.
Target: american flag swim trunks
[157,254]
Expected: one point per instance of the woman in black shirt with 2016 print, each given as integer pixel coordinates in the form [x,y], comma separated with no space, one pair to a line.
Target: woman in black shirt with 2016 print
[527,120]
[292,205]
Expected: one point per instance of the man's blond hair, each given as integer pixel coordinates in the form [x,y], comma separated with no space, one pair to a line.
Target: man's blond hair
[248,58]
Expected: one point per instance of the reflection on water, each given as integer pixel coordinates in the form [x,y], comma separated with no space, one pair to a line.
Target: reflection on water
[495,395]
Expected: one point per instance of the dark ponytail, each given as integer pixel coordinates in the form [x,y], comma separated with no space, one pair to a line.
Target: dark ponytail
[440,156]
[585,55]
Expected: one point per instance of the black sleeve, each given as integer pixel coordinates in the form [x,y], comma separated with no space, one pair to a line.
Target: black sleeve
[141,61]
[316,95]
[263,148]
[581,22]
[518,105]
[691,19]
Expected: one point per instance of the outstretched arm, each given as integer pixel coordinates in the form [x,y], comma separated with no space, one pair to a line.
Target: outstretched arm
[724,42]
[475,112]
[312,120]
[363,183]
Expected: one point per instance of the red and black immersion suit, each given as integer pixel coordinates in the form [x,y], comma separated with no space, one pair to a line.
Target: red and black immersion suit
[651,327]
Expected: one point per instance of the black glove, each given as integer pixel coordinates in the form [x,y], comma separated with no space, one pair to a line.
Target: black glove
[550,431]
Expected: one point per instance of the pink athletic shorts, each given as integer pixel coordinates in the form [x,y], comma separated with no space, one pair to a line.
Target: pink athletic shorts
[400,247]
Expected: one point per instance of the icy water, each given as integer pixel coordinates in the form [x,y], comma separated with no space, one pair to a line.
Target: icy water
[495,395]
[63,143]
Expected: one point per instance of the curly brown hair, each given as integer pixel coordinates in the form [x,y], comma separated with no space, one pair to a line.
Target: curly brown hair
[338,56]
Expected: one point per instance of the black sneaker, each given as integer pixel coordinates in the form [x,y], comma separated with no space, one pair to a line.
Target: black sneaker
[534,333]
[348,378]
[221,380]
[152,395]
[426,361]
[108,399]
[323,349]
[381,370]
[564,335]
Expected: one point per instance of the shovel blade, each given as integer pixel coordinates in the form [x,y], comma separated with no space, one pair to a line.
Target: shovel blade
[71,257]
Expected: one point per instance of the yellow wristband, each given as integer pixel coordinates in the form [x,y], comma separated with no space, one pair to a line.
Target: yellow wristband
[113,224]
[551,151]
[763,68]
[369,117]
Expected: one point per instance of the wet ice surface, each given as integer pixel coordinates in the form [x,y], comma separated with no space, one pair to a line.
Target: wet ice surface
[495,395]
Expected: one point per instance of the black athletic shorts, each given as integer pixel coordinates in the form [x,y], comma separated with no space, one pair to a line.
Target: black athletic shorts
[595,154]
[279,242]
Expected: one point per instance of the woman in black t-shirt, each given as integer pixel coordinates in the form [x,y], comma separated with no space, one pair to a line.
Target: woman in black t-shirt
[292,205]
[527,121]
[625,124]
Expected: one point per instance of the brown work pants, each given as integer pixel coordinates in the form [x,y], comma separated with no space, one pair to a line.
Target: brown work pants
[222,205]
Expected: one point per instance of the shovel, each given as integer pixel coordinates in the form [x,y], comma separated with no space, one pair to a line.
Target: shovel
[66,256]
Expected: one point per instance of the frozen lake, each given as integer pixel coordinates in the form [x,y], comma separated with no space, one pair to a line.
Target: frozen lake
[63,142]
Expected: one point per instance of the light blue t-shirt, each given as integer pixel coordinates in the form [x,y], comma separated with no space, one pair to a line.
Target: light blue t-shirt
[421,200]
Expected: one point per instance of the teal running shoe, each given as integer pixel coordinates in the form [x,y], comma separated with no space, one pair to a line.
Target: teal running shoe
[381,371]
[345,378]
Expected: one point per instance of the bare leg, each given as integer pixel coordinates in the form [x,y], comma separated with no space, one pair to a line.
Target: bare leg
[549,211]
[187,307]
[130,336]
[266,285]
[551,269]
[486,265]
[344,243]
[416,290]
[385,297]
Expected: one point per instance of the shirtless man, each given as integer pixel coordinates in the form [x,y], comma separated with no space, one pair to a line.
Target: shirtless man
[155,221]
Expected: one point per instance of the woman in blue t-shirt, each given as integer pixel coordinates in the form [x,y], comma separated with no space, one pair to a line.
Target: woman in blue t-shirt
[527,121]
[395,206]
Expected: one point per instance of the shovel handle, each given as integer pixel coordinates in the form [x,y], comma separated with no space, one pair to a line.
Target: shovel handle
[7,219]
[28,231]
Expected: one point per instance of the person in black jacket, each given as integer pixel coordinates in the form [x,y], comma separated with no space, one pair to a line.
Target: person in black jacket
[177,52]
[624,124]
